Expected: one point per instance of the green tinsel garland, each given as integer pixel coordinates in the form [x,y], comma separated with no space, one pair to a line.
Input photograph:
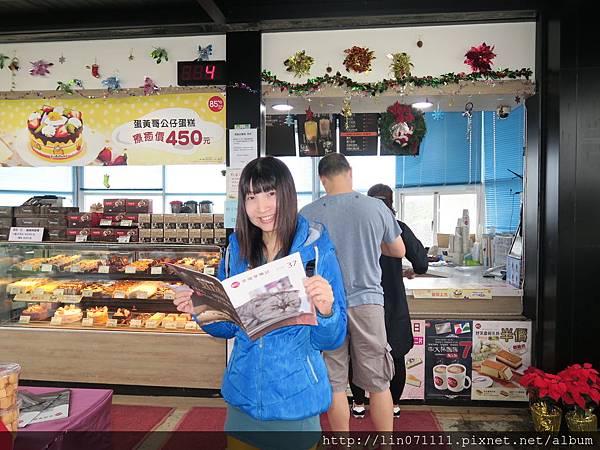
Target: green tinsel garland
[379,87]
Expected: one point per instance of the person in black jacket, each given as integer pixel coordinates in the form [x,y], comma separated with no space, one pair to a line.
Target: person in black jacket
[397,318]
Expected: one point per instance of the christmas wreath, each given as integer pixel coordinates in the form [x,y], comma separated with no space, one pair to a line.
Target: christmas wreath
[402,128]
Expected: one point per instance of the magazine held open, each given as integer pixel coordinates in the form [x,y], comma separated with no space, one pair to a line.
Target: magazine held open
[258,301]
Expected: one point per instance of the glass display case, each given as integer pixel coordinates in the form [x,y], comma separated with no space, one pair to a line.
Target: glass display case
[99,286]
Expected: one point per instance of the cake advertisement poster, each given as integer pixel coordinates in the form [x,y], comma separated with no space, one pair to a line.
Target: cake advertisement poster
[448,359]
[501,354]
[414,361]
[179,128]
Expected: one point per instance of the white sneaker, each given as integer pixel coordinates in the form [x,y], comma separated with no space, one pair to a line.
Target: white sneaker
[358,411]
[396,412]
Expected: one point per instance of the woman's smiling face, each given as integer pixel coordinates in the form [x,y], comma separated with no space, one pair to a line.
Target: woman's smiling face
[261,208]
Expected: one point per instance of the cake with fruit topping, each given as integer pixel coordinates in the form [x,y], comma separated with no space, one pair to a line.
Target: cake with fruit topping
[55,133]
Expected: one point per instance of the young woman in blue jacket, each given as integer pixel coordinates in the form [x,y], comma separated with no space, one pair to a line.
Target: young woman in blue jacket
[279,381]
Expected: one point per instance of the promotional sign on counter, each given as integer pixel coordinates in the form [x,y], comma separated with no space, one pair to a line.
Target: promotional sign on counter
[359,134]
[501,354]
[448,359]
[179,128]
[414,360]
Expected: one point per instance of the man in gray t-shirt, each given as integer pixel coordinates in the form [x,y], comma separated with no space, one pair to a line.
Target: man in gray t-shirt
[361,228]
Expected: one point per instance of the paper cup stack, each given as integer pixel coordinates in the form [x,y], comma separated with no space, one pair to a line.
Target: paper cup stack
[9,381]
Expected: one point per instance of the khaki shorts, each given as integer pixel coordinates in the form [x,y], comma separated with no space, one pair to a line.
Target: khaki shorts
[366,343]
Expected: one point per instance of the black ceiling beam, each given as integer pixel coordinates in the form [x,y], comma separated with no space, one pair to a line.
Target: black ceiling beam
[27,33]
[213,10]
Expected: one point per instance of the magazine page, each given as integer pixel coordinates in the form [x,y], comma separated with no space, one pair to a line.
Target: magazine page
[43,407]
[271,296]
[211,302]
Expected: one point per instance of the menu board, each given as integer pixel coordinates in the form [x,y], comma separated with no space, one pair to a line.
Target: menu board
[414,360]
[501,354]
[316,135]
[448,359]
[280,137]
[359,135]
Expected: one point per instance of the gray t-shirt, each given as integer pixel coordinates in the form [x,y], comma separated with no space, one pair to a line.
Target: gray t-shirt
[357,225]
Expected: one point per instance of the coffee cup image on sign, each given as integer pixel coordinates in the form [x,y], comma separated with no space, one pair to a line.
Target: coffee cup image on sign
[439,377]
[457,378]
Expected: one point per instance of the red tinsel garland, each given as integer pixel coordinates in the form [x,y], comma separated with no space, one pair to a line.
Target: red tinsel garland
[480,58]
[358,59]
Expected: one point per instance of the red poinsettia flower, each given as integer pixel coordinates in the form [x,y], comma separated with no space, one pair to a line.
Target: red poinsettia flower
[583,386]
[402,113]
[480,58]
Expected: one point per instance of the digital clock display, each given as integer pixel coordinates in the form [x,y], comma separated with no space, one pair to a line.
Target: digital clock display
[201,73]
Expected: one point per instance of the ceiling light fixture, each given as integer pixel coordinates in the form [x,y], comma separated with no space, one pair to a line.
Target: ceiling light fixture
[282,107]
[422,105]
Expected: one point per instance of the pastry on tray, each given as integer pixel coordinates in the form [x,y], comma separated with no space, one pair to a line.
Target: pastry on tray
[71,287]
[142,265]
[69,314]
[30,264]
[25,285]
[99,314]
[89,265]
[62,261]
[144,289]
[192,263]
[38,311]
[47,288]
[122,315]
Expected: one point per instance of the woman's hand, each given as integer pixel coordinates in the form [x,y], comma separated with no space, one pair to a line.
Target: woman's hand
[320,294]
[409,273]
[183,299]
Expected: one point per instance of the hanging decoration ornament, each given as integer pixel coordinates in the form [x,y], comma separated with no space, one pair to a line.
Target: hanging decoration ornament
[3,59]
[346,109]
[402,129]
[131,57]
[95,68]
[299,63]
[400,65]
[358,59]
[106,181]
[112,83]
[289,120]
[204,53]
[150,86]
[480,58]
[40,68]
[68,87]
[14,65]
[62,59]
[517,99]
[158,54]
[379,87]
[468,110]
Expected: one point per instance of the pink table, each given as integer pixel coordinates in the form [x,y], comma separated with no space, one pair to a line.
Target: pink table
[88,421]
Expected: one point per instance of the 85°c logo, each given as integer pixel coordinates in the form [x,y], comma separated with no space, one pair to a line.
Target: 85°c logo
[216,103]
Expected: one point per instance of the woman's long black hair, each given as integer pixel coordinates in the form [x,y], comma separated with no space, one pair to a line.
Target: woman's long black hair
[264,175]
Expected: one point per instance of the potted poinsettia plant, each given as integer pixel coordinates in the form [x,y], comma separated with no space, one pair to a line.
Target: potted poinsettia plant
[581,396]
[545,391]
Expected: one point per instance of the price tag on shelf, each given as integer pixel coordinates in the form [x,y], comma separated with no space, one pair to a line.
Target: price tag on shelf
[111,323]
[209,270]
[24,319]
[87,322]
[142,295]
[58,292]
[124,239]
[105,222]
[71,298]
[191,325]
[75,268]
[119,294]
[170,325]
[56,320]
[27,268]
[152,324]
[130,269]
[22,298]
[38,292]
[135,323]
[46,268]
[81,238]
[86,293]
[103,269]
[156,270]
[169,295]
[126,223]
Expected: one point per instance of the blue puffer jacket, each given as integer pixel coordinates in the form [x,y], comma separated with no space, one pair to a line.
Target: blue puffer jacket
[282,375]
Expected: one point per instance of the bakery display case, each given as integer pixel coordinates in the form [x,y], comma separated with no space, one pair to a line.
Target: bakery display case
[66,308]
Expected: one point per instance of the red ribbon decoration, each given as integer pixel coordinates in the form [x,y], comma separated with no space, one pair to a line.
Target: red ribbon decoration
[480,58]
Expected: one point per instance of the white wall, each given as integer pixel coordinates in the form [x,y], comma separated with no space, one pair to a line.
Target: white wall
[111,55]
[443,48]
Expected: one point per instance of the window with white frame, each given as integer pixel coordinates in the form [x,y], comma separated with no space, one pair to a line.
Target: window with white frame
[18,184]
[436,209]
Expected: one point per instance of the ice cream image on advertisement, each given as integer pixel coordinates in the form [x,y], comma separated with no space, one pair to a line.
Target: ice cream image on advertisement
[55,132]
